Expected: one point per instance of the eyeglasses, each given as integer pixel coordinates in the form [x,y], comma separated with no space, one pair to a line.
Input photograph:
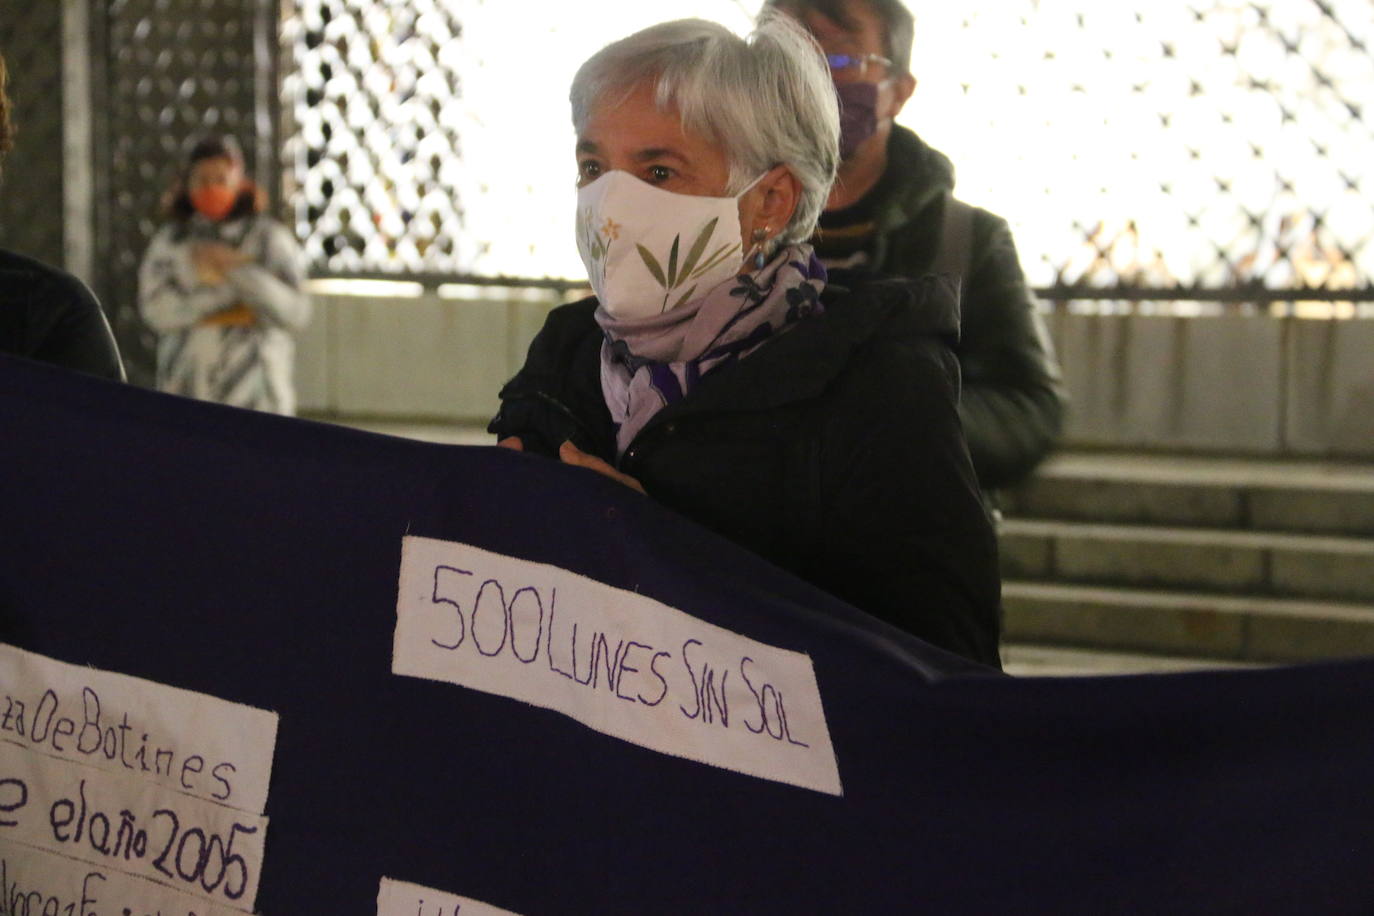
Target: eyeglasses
[850,67]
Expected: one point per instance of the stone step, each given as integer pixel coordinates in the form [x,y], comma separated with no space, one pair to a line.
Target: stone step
[1250,562]
[1028,660]
[1320,497]
[1188,624]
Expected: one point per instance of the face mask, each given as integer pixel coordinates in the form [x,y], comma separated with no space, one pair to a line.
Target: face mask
[648,251]
[858,115]
[214,201]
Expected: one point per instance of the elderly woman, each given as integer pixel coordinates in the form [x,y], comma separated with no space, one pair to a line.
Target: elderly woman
[223,284]
[719,373]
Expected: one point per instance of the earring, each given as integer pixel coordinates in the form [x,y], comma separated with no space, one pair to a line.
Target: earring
[759,236]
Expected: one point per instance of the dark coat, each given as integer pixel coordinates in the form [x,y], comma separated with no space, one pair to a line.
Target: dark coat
[1013,397]
[48,315]
[834,451]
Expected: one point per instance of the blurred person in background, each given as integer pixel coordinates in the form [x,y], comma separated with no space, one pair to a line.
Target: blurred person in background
[719,372]
[223,284]
[893,211]
[47,314]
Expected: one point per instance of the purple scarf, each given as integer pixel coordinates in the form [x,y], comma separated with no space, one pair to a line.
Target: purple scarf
[649,363]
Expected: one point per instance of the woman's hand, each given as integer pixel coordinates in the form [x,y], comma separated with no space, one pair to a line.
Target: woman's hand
[236,316]
[213,260]
[571,454]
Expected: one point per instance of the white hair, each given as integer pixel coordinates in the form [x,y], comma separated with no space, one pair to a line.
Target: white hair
[767,99]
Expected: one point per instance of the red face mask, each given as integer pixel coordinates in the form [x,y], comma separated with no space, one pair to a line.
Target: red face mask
[214,201]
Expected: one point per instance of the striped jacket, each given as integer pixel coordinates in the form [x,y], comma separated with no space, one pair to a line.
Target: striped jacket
[231,343]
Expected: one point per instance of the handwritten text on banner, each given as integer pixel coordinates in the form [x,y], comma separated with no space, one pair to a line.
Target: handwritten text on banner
[149,793]
[35,882]
[184,741]
[616,661]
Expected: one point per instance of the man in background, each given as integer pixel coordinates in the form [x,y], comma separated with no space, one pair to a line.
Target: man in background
[893,211]
[47,314]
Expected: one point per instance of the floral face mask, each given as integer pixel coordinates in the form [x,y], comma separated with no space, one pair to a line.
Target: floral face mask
[648,251]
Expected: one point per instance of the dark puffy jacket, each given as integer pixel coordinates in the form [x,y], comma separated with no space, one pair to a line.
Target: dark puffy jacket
[1013,398]
[50,316]
[834,451]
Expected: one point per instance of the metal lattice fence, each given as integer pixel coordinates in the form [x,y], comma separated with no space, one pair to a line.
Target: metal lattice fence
[377,153]
[1174,145]
[432,136]
[31,185]
[1215,145]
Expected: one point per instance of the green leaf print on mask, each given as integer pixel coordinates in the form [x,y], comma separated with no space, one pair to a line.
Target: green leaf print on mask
[673,278]
[652,263]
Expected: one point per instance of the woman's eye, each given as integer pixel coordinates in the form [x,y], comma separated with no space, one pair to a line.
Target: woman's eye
[660,173]
[588,169]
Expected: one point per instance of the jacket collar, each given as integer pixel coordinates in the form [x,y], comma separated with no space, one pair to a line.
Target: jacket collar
[916,175]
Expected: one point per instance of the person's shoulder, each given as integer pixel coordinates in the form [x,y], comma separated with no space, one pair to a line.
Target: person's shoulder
[897,337]
[572,319]
[916,166]
[924,165]
[14,263]
[983,218]
[31,277]
[55,318]
[170,233]
[987,224]
[892,308]
[569,333]
[274,237]
[270,226]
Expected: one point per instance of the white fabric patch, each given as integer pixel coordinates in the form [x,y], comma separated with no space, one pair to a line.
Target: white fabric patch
[36,882]
[155,790]
[178,739]
[399,898]
[616,661]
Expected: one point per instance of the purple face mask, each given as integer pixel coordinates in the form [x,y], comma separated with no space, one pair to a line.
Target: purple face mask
[858,115]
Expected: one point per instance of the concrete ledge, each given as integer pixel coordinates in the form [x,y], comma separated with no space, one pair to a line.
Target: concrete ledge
[1330,388]
[1120,620]
[1183,468]
[415,358]
[1024,660]
[1312,510]
[1265,563]
[1324,572]
[1211,626]
[1210,383]
[1201,492]
[1135,501]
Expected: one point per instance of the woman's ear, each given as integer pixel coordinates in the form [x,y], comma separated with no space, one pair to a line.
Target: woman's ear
[778,194]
